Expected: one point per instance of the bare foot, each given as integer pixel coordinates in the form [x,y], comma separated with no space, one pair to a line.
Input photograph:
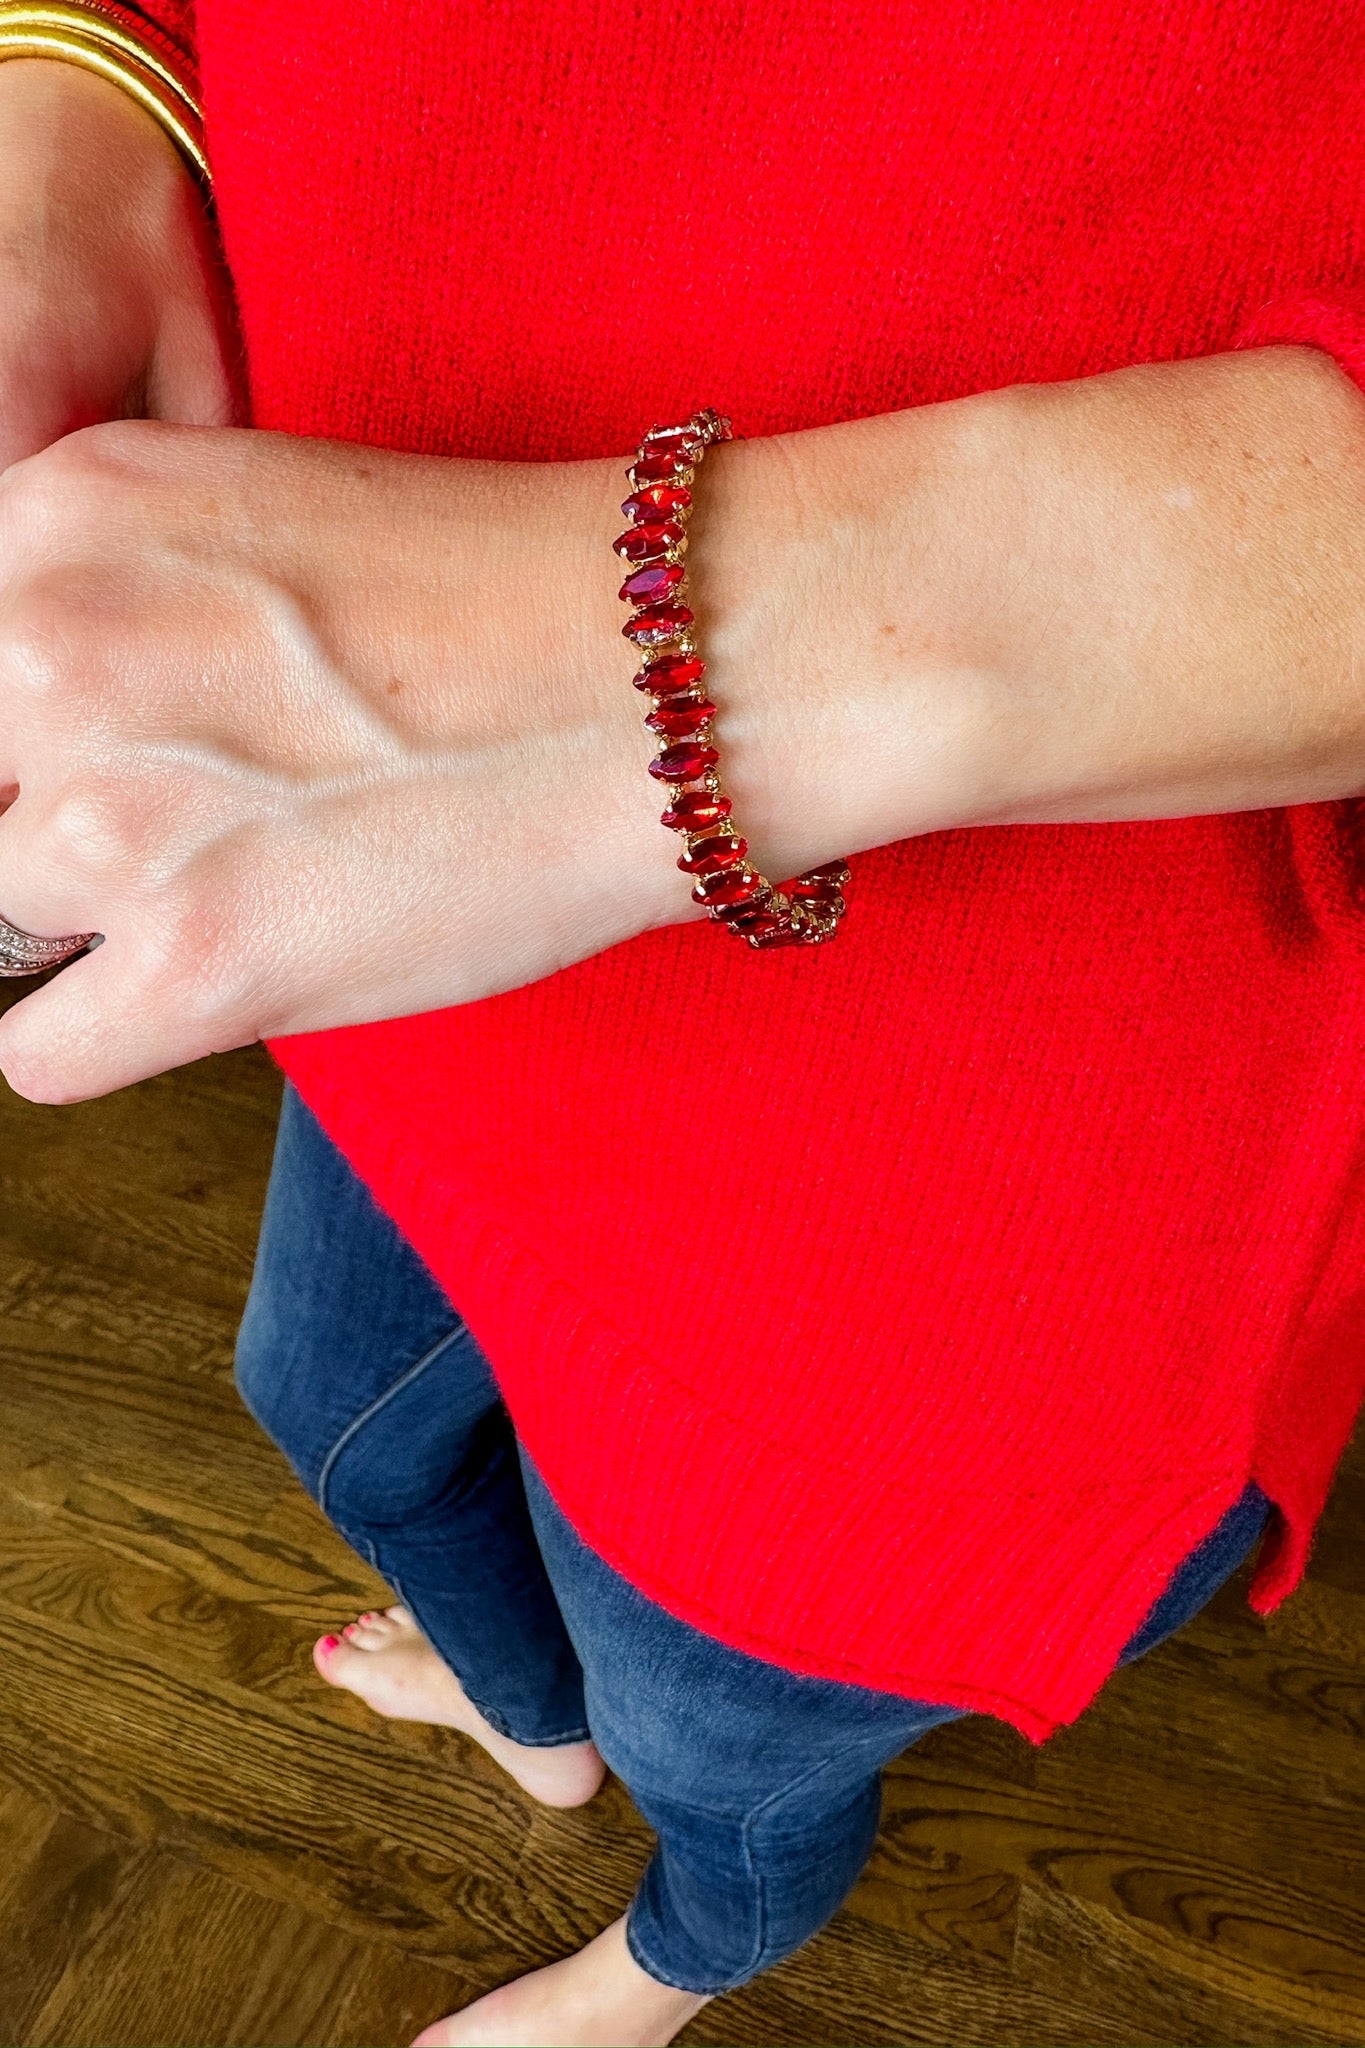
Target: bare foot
[388,1662]
[599,1998]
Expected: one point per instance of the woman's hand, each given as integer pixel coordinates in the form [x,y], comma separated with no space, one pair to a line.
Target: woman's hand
[111,302]
[312,734]
[316,735]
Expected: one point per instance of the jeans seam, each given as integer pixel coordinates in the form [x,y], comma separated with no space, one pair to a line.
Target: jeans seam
[494,1717]
[652,1970]
[754,1815]
[369,1550]
[381,1401]
[755,1962]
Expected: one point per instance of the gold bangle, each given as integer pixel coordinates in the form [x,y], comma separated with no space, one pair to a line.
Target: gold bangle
[99,43]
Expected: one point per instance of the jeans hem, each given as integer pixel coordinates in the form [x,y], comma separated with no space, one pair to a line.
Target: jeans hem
[496,1720]
[661,1976]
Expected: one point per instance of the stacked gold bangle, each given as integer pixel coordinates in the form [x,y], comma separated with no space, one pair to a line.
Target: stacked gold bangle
[105,44]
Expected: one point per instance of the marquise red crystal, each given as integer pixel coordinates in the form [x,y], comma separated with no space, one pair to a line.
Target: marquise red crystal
[813,888]
[724,891]
[736,913]
[680,716]
[654,584]
[657,469]
[684,441]
[658,625]
[760,924]
[671,675]
[781,934]
[691,809]
[655,501]
[652,537]
[683,763]
[709,856]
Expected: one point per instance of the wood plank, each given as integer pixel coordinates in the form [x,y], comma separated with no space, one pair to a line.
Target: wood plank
[283,1560]
[1185,1750]
[1325,1620]
[941,1904]
[57,1880]
[857,1984]
[1086,1844]
[163,1181]
[361,1825]
[388,1996]
[187,1957]
[158,1447]
[1092,1961]
[1338,1557]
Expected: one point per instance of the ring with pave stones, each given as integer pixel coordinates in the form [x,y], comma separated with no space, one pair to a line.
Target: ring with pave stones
[21,953]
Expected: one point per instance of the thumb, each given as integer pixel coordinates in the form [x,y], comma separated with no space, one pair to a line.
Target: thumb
[93,1028]
[44,391]
[197,375]
[113,301]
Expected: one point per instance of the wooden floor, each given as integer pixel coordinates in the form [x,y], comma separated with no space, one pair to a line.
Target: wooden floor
[200,1844]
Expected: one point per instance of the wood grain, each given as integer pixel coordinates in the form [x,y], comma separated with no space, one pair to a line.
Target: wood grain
[200,1843]
[223,1968]
[58,1879]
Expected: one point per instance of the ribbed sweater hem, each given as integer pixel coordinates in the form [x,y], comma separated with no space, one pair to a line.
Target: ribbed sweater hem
[1055,1608]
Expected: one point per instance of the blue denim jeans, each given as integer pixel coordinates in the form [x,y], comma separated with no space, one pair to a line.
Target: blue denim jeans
[763,1786]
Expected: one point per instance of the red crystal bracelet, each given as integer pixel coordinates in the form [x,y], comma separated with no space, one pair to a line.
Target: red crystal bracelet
[808,910]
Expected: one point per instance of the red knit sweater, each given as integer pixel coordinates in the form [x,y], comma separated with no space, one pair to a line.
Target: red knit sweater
[1001,1242]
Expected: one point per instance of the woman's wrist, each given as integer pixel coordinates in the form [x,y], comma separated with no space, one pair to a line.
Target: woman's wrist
[1058,602]
[1135,595]
[477,617]
[850,715]
[124,49]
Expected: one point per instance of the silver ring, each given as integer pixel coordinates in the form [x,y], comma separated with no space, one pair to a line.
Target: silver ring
[21,953]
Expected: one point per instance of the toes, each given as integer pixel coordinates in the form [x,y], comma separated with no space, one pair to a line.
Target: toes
[341,1663]
[455,2027]
[370,1632]
[433,2037]
[401,1616]
[324,1655]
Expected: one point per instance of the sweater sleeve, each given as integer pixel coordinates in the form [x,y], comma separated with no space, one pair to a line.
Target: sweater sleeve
[1331,320]
[1328,839]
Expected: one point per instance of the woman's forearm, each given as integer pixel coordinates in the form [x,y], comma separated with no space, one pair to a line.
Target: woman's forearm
[1136,595]
[315,735]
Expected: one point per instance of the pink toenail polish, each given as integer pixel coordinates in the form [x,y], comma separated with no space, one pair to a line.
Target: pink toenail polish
[330,1643]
